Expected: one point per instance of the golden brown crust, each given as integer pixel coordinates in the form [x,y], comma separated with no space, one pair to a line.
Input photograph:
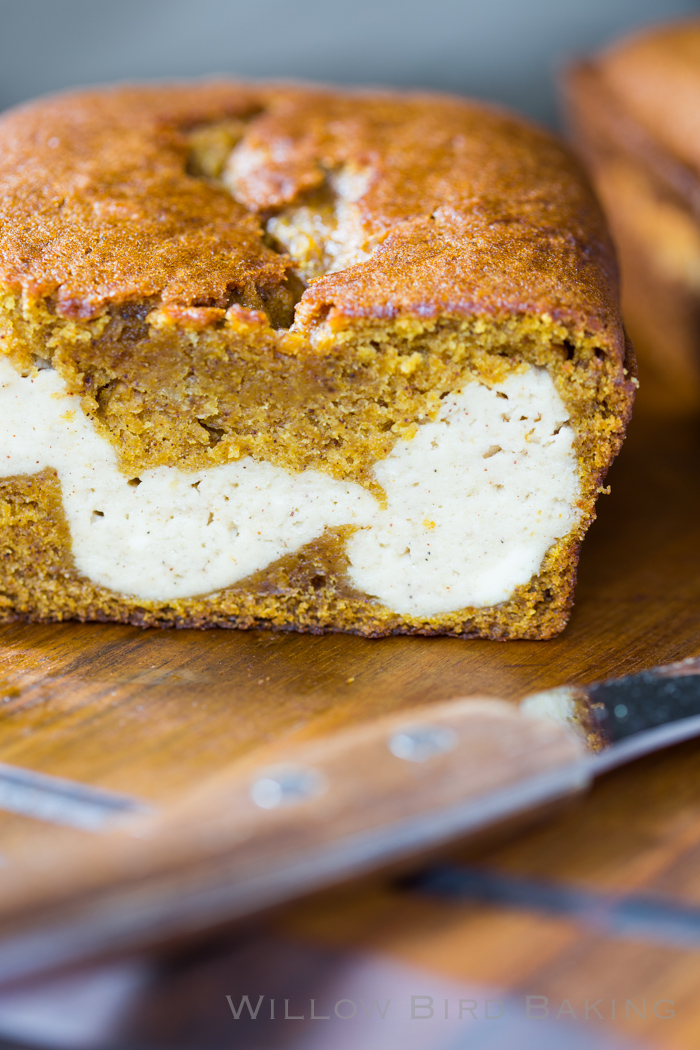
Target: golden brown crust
[470,209]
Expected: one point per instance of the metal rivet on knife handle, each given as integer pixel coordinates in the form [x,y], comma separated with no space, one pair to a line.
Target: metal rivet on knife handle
[286,787]
[421,743]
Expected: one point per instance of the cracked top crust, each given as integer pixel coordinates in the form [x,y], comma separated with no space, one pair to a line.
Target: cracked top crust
[448,206]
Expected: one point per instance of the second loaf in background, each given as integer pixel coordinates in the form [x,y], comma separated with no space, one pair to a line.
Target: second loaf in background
[634,111]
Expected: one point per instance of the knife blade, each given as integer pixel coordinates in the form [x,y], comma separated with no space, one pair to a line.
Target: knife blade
[330,809]
[620,719]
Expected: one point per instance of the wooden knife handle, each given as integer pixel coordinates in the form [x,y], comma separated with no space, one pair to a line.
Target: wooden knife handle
[314,813]
[436,772]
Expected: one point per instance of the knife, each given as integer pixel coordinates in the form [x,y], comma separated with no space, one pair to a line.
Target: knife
[319,812]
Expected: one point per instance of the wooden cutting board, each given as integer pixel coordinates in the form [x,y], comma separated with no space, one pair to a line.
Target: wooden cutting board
[153,713]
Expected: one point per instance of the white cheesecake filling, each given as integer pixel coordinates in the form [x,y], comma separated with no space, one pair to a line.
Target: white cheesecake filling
[170,533]
[474,500]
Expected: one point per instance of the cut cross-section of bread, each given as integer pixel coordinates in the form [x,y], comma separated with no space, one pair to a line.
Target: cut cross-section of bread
[300,358]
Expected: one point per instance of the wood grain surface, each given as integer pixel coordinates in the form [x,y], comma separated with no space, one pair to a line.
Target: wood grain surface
[153,713]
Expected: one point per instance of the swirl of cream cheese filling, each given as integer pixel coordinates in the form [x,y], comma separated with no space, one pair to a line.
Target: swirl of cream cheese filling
[474,500]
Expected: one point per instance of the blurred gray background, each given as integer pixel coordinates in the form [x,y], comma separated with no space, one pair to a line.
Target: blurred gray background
[507,50]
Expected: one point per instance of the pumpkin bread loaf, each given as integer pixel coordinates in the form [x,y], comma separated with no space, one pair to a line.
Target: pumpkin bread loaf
[291,357]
